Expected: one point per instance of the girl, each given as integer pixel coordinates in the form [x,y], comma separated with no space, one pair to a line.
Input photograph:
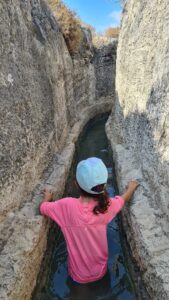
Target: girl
[84,220]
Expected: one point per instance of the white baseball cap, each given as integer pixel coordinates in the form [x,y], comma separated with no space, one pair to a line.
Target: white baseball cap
[90,173]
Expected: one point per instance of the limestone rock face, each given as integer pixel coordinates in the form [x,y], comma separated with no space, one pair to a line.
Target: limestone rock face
[36,73]
[41,89]
[105,70]
[46,98]
[139,133]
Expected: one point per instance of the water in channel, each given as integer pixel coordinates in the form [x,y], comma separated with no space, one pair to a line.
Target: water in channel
[54,283]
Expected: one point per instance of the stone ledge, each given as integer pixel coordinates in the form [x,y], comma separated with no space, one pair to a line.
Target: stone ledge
[149,244]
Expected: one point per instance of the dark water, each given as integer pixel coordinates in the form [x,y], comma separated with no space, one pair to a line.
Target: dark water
[54,283]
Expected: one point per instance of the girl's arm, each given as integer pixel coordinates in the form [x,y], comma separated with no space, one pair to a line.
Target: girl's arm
[48,196]
[117,203]
[132,186]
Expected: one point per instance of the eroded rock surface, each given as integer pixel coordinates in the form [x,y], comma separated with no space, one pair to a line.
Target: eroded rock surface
[46,98]
[139,134]
[105,64]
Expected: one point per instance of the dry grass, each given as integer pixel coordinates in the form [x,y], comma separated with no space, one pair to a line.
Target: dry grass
[108,36]
[99,40]
[112,32]
[69,24]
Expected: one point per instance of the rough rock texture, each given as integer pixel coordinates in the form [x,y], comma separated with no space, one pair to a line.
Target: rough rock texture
[105,65]
[139,133]
[46,99]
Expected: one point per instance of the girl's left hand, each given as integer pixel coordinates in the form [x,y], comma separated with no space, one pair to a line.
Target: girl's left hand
[48,195]
[133,185]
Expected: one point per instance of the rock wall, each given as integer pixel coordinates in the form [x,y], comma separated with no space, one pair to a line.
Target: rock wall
[46,98]
[105,65]
[139,133]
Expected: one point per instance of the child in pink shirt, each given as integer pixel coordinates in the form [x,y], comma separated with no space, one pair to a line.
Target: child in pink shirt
[84,220]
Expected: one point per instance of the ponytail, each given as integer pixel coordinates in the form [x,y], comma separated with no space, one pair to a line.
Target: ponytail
[102,199]
[103,203]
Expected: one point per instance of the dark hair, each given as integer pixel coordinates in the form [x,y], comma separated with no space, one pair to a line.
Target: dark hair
[102,199]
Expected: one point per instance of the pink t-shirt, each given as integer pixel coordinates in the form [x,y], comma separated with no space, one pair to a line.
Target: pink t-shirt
[85,234]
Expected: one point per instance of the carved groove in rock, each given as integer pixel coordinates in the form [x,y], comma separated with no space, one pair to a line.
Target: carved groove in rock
[46,98]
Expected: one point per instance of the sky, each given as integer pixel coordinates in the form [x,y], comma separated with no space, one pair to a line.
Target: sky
[101,14]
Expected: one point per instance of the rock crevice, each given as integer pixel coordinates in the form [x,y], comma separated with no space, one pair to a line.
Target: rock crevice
[46,97]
